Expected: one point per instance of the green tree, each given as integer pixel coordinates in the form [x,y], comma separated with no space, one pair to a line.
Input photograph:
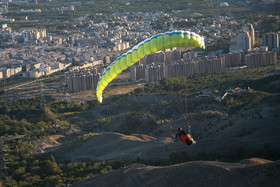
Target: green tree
[51,168]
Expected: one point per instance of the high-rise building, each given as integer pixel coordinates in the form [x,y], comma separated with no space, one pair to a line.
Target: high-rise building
[140,72]
[236,59]
[133,73]
[258,59]
[252,34]
[228,59]
[271,40]
[190,67]
[78,80]
[189,55]
[167,58]
[244,41]
[176,55]
[154,72]
[273,57]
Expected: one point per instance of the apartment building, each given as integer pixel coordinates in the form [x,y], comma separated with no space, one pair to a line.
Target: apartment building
[257,59]
[85,79]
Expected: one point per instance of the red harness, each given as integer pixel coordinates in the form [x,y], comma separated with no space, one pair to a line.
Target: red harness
[186,139]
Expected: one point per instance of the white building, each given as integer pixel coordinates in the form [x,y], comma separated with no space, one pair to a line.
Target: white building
[4,26]
[6,73]
[36,74]
[121,46]
[45,69]
[224,4]
[65,9]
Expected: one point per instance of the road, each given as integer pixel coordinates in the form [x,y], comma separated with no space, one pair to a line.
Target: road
[38,80]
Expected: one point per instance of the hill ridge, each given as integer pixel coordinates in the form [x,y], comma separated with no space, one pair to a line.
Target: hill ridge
[194,173]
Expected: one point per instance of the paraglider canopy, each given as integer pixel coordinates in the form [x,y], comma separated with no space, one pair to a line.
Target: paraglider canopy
[151,45]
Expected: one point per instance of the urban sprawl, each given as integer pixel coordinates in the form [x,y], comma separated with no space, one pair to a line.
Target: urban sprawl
[86,52]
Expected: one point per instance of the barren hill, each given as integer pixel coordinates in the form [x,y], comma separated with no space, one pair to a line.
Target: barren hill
[255,127]
[259,172]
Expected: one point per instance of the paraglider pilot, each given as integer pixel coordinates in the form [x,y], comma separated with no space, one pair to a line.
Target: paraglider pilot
[184,136]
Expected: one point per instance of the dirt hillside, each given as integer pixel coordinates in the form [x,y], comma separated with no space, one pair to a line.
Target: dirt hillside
[114,146]
[198,173]
[251,128]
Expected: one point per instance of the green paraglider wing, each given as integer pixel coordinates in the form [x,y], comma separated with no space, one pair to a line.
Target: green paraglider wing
[151,45]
